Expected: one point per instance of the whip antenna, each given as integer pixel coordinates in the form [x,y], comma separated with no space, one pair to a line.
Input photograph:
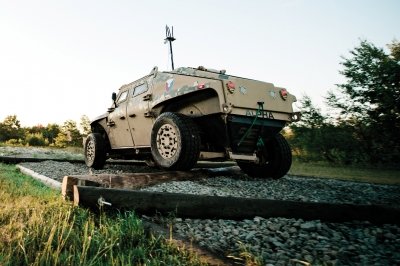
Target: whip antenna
[170,38]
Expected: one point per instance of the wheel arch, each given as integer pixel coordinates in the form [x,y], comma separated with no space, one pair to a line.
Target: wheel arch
[196,103]
[99,126]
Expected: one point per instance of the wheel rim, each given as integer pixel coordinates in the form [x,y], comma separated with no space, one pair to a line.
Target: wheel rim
[167,141]
[90,151]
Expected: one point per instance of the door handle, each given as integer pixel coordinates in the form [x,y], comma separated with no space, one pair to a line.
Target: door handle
[110,123]
[132,115]
[122,117]
[147,97]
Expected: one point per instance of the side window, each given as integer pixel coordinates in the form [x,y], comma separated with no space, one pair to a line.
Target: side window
[140,89]
[122,97]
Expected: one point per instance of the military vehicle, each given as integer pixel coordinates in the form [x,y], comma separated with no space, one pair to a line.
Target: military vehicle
[175,118]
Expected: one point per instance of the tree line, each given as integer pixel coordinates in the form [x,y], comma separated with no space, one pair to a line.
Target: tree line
[363,123]
[54,135]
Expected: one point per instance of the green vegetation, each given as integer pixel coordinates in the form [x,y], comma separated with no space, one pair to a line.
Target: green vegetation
[363,125]
[68,153]
[53,135]
[323,169]
[38,228]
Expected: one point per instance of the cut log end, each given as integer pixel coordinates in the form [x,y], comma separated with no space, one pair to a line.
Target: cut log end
[76,195]
[67,190]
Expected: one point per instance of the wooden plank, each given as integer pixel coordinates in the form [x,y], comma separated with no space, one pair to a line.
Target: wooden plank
[44,179]
[67,187]
[135,180]
[213,207]
[140,180]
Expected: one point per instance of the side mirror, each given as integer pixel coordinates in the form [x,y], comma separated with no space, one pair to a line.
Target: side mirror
[114,98]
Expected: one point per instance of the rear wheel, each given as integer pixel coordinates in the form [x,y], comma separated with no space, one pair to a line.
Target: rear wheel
[95,151]
[275,159]
[175,141]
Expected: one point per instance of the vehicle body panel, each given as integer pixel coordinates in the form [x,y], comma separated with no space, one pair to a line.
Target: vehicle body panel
[119,132]
[140,121]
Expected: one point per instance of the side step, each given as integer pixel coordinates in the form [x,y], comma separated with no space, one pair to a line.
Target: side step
[243,157]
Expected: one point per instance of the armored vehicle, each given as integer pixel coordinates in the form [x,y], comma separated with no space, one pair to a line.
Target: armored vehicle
[176,118]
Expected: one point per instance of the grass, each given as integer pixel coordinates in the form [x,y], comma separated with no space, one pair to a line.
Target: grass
[349,173]
[42,152]
[38,228]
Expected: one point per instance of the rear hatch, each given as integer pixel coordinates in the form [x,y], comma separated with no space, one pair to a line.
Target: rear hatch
[246,97]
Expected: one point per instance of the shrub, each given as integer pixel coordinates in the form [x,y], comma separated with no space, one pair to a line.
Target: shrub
[15,142]
[36,139]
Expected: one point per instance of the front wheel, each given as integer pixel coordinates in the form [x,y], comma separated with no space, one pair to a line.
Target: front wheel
[275,159]
[175,141]
[95,151]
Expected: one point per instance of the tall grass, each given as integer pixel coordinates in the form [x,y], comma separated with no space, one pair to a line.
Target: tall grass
[38,228]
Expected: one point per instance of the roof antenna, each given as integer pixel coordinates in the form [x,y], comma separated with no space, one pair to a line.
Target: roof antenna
[170,38]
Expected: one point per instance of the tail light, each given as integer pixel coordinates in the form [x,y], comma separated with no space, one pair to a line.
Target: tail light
[230,86]
[284,94]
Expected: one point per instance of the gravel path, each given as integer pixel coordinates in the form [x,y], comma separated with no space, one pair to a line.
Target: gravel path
[277,241]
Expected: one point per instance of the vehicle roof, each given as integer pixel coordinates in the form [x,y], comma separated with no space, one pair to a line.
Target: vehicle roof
[188,71]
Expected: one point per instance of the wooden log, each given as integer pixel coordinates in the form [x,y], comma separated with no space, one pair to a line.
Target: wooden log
[68,183]
[213,207]
[140,180]
[135,180]
[44,179]
[125,180]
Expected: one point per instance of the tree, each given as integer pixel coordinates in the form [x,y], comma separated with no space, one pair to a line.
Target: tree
[10,128]
[305,141]
[85,125]
[314,138]
[50,132]
[369,101]
[69,135]
[61,141]
[395,49]
[311,116]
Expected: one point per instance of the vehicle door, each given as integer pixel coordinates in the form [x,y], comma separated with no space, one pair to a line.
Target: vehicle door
[140,117]
[119,132]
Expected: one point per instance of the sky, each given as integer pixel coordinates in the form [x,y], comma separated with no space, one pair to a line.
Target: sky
[62,59]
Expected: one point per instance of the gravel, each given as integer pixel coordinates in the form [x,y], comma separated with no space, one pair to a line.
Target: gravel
[280,241]
[277,241]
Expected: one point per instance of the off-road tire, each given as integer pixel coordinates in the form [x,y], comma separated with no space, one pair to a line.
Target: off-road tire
[277,162]
[175,141]
[95,151]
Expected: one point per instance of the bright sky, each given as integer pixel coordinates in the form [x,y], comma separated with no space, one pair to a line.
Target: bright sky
[62,59]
